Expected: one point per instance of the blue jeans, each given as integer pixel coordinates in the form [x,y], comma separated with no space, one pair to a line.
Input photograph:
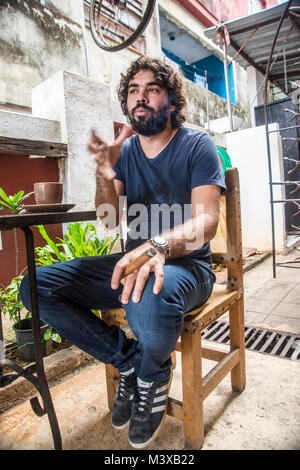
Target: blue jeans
[68,291]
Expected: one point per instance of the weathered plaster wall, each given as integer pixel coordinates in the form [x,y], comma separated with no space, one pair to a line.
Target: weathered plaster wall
[35,42]
[196,105]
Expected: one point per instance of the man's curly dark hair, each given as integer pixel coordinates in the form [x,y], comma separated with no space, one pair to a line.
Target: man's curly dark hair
[166,76]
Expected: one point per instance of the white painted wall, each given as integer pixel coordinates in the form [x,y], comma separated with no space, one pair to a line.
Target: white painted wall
[248,153]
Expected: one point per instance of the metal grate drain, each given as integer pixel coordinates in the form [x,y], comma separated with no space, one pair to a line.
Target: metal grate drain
[275,343]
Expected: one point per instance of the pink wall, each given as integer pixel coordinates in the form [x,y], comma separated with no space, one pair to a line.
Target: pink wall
[20,172]
[226,10]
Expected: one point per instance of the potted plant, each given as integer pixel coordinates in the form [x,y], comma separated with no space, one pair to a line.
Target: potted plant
[14,204]
[10,301]
[12,305]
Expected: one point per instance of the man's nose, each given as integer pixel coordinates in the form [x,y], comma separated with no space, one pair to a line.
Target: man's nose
[142,96]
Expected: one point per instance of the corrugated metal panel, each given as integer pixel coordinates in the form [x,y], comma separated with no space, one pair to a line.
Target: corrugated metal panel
[258,47]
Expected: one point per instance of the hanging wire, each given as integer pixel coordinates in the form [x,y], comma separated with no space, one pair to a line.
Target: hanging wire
[284,67]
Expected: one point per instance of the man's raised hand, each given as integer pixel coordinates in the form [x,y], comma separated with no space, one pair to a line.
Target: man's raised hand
[106,156]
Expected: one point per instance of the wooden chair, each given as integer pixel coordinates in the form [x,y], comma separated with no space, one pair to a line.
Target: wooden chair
[226,249]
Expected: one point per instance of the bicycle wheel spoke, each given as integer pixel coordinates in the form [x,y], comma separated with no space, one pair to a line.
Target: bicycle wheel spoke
[117,24]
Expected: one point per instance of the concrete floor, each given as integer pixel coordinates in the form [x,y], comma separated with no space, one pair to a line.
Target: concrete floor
[274,303]
[265,416]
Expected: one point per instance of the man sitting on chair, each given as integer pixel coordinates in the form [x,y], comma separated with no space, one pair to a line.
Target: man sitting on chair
[171,176]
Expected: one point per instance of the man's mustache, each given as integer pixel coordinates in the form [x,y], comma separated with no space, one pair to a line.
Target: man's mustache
[144,106]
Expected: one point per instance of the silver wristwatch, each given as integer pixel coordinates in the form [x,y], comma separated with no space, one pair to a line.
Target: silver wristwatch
[161,245]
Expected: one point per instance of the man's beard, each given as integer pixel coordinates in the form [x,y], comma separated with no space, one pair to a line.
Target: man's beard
[151,126]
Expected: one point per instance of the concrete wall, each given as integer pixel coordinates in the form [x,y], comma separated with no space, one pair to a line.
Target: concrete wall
[248,153]
[78,104]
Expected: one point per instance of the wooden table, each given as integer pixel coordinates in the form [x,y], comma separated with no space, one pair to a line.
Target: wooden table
[25,222]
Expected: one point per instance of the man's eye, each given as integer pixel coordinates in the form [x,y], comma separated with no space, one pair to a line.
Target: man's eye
[132,91]
[153,90]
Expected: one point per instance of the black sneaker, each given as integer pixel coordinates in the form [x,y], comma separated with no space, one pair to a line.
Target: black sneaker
[122,407]
[148,411]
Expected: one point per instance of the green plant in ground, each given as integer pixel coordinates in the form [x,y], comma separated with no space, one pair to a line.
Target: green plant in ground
[79,241]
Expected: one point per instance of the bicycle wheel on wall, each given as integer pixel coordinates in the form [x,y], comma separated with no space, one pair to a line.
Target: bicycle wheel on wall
[115,24]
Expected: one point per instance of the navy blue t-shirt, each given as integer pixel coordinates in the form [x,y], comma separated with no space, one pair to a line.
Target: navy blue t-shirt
[158,190]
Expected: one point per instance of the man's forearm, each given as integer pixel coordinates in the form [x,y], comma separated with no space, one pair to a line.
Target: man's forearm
[106,195]
[191,235]
[105,192]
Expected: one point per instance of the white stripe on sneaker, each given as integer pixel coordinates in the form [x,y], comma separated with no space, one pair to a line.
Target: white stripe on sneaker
[161,389]
[155,409]
[161,398]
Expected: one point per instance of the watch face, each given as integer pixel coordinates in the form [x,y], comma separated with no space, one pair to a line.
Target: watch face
[159,240]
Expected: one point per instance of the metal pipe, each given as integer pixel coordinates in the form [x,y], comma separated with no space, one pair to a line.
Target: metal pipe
[227,83]
[267,134]
[207,102]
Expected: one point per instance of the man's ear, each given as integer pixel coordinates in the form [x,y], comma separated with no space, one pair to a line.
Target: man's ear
[171,103]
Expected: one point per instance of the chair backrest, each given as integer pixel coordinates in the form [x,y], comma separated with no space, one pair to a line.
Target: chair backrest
[226,247]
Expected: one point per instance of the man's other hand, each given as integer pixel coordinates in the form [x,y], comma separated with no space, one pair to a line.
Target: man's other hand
[136,281]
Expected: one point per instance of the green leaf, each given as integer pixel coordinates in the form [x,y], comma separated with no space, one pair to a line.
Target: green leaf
[18,196]
[47,334]
[3,204]
[50,242]
[25,197]
[56,337]
[3,195]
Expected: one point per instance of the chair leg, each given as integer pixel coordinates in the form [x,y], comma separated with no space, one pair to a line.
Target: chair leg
[173,359]
[191,357]
[112,375]
[237,339]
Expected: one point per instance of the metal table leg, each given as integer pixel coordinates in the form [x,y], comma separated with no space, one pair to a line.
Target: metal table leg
[43,385]
[39,381]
